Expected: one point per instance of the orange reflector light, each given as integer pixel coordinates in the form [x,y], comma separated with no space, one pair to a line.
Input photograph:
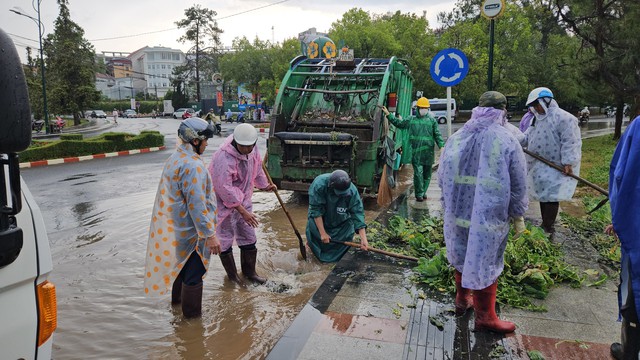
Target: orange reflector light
[48,312]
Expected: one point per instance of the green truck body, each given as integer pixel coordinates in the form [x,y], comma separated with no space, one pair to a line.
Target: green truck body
[328,116]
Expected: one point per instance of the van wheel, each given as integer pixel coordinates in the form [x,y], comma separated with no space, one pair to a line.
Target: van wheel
[442,120]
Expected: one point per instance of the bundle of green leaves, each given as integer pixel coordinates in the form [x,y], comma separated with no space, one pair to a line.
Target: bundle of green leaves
[533,264]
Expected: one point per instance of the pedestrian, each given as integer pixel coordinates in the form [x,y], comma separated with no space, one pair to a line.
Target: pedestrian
[554,134]
[482,174]
[115,116]
[183,225]
[624,181]
[423,135]
[336,214]
[236,168]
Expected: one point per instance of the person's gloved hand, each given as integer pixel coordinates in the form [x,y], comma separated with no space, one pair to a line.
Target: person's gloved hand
[518,225]
[385,111]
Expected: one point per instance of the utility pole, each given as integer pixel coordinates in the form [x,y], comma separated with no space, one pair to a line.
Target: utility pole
[44,81]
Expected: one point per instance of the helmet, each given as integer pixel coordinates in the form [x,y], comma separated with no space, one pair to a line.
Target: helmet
[493,99]
[340,182]
[195,128]
[245,135]
[537,93]
[423,102]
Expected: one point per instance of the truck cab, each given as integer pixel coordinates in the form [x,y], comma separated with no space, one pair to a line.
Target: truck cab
[28,310]
[439,110]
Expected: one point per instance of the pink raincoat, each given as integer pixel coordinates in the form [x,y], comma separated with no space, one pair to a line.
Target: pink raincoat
[234,176]
[184,216]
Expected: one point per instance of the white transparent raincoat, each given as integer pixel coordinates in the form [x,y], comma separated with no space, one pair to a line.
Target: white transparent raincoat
[183,217]
[555,138]
[482,174]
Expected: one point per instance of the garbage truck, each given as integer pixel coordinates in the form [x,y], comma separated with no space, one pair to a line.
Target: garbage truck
[28,314]
[327,116]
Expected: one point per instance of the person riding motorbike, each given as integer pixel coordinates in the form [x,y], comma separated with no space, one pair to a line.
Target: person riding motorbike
[212,119]
[584,114]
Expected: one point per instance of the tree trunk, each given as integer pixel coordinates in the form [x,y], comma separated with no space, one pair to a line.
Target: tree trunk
[619,117]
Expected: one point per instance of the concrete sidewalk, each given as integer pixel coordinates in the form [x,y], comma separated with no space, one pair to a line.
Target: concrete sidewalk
[368,308]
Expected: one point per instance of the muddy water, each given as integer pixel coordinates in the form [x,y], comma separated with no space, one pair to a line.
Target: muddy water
[98,252]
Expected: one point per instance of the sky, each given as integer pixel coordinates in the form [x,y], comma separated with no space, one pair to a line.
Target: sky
[127,25]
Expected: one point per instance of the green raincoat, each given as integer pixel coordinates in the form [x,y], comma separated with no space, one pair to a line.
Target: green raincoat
[342,216]
[423,135]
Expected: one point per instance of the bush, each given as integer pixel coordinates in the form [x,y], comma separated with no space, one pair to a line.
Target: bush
[105,143]
[70,136]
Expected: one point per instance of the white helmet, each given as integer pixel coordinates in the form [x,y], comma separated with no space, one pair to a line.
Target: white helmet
[537,93]
[245,135]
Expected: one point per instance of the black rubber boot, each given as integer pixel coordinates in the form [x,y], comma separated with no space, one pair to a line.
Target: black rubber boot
[191,300]
[630,336]
[248,264]
[229,265]
[176,290]
[549,212]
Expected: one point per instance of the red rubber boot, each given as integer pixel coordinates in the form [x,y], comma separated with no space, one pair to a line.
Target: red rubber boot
[464,297]
[486,317]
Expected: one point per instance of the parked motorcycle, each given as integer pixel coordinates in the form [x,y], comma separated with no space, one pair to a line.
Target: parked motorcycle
[37,125]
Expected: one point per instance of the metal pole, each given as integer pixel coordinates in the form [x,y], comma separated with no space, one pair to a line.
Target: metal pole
[448,112]
[490,71]
[44,81]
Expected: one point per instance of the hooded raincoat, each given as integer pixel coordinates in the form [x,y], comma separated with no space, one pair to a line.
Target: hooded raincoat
[624,194]
[342,216]
[482,175]
[184,216]
[424,134]
[234,176]
[555,137]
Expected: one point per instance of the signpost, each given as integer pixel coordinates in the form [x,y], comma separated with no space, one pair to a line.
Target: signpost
[491,9]
[448,68]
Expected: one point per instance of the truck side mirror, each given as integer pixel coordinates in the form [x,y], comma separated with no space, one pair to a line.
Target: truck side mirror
[15,112]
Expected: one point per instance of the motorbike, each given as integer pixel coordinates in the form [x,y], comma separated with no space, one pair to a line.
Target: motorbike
[584,118]
[37,125]
[57,125]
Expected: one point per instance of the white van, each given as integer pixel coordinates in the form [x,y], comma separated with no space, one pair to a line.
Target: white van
[28,314]
[439,109]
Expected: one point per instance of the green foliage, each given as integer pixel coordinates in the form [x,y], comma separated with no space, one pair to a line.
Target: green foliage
[597,153]
[249,64]
[533,264]
[70,136]
[591,227]
[105,143]
[70,60]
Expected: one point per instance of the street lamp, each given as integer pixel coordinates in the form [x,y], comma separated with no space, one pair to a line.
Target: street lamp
[44,82]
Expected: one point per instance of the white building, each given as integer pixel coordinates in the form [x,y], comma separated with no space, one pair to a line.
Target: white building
[152,68]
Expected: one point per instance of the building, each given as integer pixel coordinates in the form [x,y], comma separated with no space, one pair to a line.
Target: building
[152,68]
[310,34]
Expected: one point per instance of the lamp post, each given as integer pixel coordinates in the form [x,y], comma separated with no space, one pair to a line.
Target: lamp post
[44,81]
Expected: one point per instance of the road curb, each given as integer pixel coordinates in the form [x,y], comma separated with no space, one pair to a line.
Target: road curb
[88,157]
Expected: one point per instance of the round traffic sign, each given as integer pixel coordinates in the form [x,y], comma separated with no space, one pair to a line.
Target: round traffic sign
[491,9]
[449,67]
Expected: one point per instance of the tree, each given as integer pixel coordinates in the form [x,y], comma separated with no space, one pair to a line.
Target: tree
[280,57]
[365,34]
[70,60]
[34,84]
[201,29]
[249,64]
[608,28]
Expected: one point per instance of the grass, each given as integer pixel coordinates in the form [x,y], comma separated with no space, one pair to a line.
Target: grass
[596,157]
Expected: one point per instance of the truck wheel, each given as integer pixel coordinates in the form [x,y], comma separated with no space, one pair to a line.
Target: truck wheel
[442,120]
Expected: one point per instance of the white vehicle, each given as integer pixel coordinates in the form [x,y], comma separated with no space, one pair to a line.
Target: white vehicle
[28,313]
[439,110]
[168,108]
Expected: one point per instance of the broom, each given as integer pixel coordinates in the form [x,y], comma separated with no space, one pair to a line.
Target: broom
[384,189]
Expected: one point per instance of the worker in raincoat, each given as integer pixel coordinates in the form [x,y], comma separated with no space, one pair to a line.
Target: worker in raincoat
[553,134]
[624,181]
[183,225]
[482,174]
[423,135]
[236,168]
[336,213]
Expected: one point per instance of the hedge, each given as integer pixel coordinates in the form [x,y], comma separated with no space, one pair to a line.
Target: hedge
[105,143]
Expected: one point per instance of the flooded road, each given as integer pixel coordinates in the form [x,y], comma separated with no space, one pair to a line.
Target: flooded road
[97,215]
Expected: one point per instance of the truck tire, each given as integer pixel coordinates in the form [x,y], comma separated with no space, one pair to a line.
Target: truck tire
[442,120]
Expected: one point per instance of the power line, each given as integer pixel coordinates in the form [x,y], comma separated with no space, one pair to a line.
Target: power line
[22,37]
[175,28]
